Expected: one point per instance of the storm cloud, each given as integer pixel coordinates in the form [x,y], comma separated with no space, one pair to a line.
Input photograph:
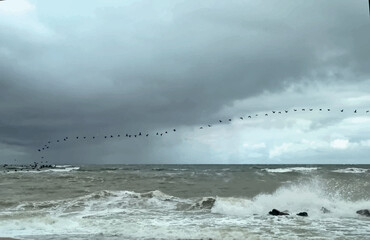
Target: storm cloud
[71,69]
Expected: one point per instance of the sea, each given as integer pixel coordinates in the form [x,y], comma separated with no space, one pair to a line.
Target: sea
[78,202]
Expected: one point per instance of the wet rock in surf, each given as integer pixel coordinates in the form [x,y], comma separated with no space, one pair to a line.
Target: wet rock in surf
[205,203]
[364,212]
[303,214]
[276,212]
[325,210]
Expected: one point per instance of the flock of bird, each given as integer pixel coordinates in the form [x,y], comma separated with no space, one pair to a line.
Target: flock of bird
[47,145]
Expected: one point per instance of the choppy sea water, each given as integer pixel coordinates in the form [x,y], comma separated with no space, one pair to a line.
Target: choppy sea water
[185,202]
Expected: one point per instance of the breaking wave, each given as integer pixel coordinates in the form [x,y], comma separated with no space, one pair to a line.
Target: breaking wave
[351,170]
[290,169]
[315,197]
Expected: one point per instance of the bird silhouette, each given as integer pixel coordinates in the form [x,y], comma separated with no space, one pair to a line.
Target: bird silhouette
[174,130]
[209,125]
[249,116]
[241,118]
[266,114]
[355,111]
[201,128]
[342,110]
[220,121]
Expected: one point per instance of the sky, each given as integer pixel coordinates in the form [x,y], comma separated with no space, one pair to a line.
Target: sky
[113,67]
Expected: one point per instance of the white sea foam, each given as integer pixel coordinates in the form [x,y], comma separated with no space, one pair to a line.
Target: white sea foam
[290,169]
[154,214]
[351,170]
[309,197]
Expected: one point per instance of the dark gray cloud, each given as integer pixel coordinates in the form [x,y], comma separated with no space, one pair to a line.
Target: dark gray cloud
[138,66]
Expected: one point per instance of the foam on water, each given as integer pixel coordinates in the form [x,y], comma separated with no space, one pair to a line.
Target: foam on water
[161,214]
[309,196]
[351,170]
[290,169]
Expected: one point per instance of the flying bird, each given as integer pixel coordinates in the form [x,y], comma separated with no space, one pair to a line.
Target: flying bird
[355,111]
[201,128]
[241,118]
[342,110]
[220,121]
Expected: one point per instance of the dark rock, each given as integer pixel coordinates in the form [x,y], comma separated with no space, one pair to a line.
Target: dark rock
[325,210]
[302,214]
[364,212]
[276,212]
[205,203]
[208,202]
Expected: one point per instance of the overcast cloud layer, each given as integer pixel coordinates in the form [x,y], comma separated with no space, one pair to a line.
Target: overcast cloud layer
[114,67]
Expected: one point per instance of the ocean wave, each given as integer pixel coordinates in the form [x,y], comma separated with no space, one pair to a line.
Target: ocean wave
[290,169]
[351,170]
[311,197]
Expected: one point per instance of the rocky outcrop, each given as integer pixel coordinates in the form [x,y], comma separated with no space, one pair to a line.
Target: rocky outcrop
[364,212]
[303,214]
[276,212]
